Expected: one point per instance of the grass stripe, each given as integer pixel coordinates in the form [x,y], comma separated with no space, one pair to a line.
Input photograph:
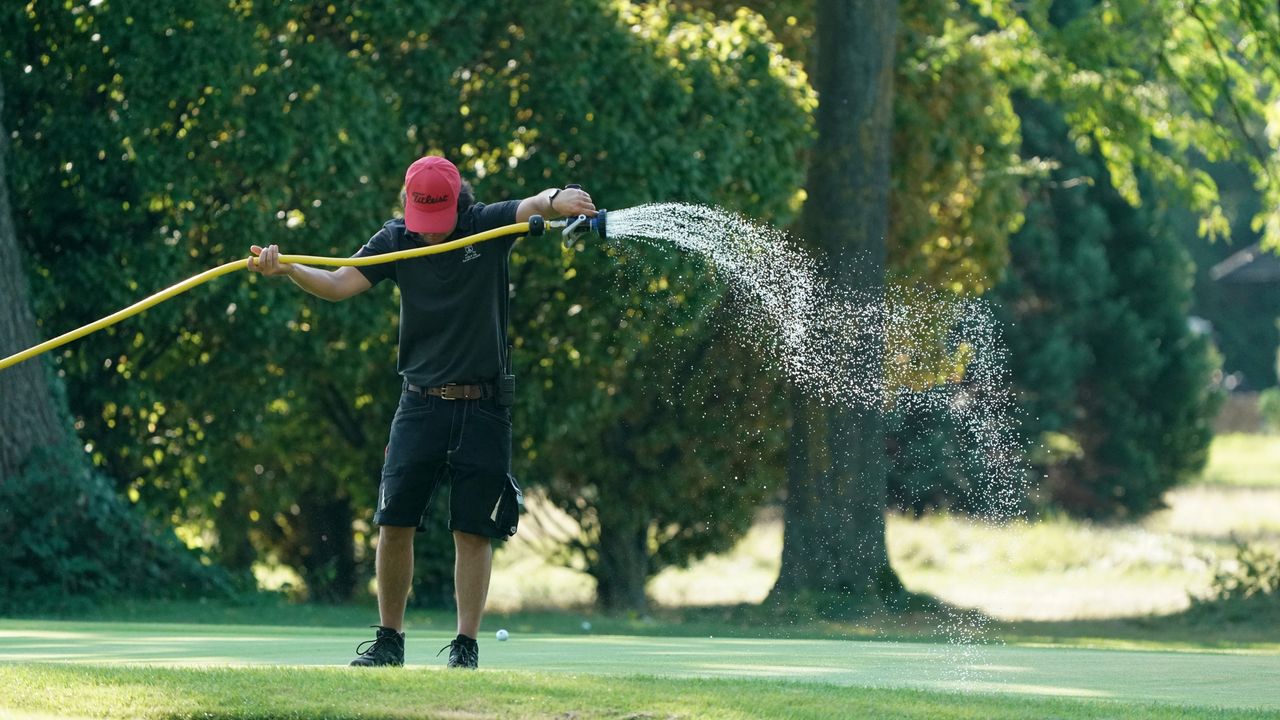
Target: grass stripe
[62,690]
[1190,679]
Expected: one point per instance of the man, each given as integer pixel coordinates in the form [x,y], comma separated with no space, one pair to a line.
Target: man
[451,425]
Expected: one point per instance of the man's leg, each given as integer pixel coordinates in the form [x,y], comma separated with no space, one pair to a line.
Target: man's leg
[395,573]
[472,565]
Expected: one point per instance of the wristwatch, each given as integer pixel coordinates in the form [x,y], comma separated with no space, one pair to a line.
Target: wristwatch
[551,201]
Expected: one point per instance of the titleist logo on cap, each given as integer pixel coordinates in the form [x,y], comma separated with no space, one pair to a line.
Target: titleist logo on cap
[425,199]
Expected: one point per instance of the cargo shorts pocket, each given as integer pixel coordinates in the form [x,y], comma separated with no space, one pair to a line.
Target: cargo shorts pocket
[506,513]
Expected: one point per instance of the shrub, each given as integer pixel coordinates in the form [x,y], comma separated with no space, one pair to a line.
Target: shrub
[1269,408]
[1244,586]
[1095,303]
[67,540]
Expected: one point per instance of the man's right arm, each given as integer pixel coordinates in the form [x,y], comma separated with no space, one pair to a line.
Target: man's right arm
[337,285]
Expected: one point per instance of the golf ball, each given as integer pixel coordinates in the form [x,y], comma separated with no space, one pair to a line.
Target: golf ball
[502,635]
[586,624]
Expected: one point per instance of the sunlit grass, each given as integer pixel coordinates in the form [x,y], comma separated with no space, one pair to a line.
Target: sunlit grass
[1240,459]
[136,692]
[181,670]
[1055,568]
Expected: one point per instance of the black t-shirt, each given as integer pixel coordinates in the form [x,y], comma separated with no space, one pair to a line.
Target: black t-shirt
[453,304]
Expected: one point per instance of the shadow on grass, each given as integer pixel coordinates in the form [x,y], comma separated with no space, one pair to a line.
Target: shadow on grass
[1236,624]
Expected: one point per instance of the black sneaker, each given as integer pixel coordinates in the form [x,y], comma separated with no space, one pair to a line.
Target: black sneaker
[464,652]
[385,649]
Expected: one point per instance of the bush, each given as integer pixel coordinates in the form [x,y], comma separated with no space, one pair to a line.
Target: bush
[1244,587]
[67,541]
[1269,408]
[1095,302]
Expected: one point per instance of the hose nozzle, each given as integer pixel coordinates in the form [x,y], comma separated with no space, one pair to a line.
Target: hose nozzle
[572,227]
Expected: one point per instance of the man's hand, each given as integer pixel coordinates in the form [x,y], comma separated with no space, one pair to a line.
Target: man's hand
[573,202]
[566,202]
[267,261]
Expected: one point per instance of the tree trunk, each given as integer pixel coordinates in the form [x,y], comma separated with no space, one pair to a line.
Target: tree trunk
[834,549]
[28,415]
[623,565]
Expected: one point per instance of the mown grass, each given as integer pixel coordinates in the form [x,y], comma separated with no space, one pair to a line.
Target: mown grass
[1255,631]
[1244,460]
[41,690]
[1056,582]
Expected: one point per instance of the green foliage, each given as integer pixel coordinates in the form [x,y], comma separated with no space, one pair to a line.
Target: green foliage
[1153,89]
[153,142]
[929,469]
[1243,587]
[791,21]
[957,173]
[1254,574]
[1269,408]
[625,372]
[1101,352]
[68,540]
[1116,387]
[1156,87]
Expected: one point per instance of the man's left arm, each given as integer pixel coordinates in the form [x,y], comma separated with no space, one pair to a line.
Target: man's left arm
[556,202]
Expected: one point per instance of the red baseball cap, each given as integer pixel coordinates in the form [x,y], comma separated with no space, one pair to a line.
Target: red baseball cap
[431,195]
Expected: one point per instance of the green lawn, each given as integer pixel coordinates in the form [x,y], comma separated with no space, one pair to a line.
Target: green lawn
[65,668]
[61,691]
[1240,459]
[1088,622]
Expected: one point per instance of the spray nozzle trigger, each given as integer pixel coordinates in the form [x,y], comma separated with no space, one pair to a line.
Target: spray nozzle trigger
[571,228]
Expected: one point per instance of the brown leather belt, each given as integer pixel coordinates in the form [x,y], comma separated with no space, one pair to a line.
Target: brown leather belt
[454,391]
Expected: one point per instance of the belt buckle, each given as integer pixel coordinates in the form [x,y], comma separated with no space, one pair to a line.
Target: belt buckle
[446,392]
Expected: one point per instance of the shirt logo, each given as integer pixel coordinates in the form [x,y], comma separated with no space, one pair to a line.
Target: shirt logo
[469,253]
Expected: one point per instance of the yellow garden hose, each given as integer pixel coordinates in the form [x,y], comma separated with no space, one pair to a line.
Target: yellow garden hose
[516,229]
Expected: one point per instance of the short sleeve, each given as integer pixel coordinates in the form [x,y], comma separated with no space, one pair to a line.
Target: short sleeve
[490,216]
[379,244]
[496,215]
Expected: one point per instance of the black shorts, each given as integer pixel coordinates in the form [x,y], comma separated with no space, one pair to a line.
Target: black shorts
[466,443]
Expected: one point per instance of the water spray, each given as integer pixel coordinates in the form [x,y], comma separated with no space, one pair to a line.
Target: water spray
[533,228]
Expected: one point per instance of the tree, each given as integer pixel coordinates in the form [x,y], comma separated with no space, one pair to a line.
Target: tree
[1112,377]
[252,415]
[631,377]
[155,139]
[1116,100]
[66,536]
[833,542]
[28,420]
[1156,87]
